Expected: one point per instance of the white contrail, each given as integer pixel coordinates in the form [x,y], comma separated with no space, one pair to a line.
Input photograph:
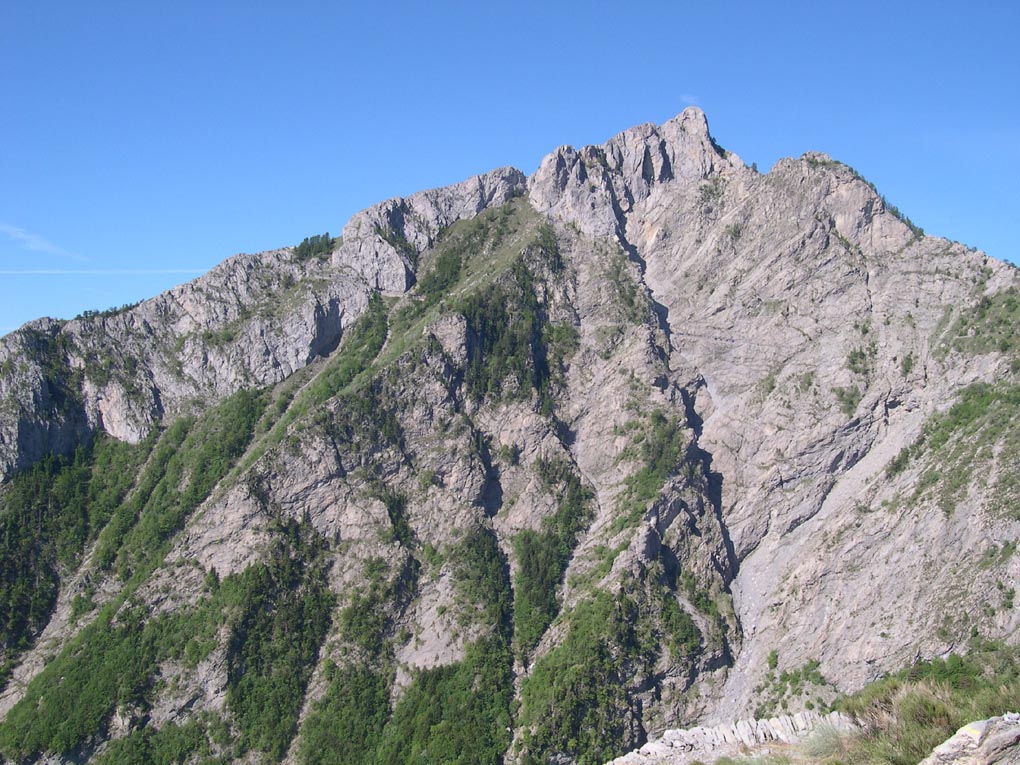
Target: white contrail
[37,243]
[100,271]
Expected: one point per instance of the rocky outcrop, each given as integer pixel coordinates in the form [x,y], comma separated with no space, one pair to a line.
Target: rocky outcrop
[251,321]
[597,187]
[985,742]
[703,744]
[996,740]
[383,243]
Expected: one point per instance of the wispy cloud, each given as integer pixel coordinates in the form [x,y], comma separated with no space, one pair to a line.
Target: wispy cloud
[689,99]
[99,271]
[36,243]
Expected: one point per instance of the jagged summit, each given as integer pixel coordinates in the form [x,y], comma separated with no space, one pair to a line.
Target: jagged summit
[523,469]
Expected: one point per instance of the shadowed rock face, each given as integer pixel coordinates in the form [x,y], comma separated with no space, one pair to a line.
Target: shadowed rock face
[648,387]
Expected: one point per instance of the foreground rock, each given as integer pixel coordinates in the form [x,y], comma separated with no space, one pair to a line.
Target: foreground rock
[987,742]
[705,744]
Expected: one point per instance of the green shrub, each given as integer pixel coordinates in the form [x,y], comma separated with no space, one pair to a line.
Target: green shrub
[682,635]
[481,580]
[907,364]
[358,349]
[284,612]
[445,272]
[992,324]
[170,745]
[662,445]
[505,324]
[848,398]
[180,477]
[573,702]
[318,246]
[978,426]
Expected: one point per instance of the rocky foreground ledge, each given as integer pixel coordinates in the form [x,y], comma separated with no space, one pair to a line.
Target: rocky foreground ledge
[683,747]
[995,741]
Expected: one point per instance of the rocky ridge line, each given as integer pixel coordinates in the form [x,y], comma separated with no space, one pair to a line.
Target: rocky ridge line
[681,747]
[251,321]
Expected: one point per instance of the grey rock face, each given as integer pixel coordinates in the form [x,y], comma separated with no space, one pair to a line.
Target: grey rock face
[766,286]
[597,187]
[251,321]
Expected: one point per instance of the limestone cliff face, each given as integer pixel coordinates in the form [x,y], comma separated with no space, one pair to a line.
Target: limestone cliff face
[810,318]
[251,321]
[647,388]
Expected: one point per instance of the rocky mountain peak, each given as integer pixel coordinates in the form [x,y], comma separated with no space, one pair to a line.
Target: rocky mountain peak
[597,185]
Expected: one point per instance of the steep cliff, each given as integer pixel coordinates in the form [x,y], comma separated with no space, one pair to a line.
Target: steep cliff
[524,468]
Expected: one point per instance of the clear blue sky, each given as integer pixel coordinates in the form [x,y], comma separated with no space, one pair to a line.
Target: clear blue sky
[143,142]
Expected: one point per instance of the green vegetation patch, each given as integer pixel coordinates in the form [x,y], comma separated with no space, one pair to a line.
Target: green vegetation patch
[459,713]
[189,461]
[358,350]
[48,514]
[480,576]
[574,702]
[627,295]
[284,611]
[111,664]
[861,360]
[510,355]
[977,430]
[344,726]
[492,270]
[848,398]
[906,715]
[542,556]
[278,614]
[318,246]
[682,636]
[778,688]
[660,445]
[469,255]
[61,383]
[990,325]
[197,740]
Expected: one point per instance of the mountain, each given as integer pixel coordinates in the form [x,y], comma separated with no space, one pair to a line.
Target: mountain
[525,469]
